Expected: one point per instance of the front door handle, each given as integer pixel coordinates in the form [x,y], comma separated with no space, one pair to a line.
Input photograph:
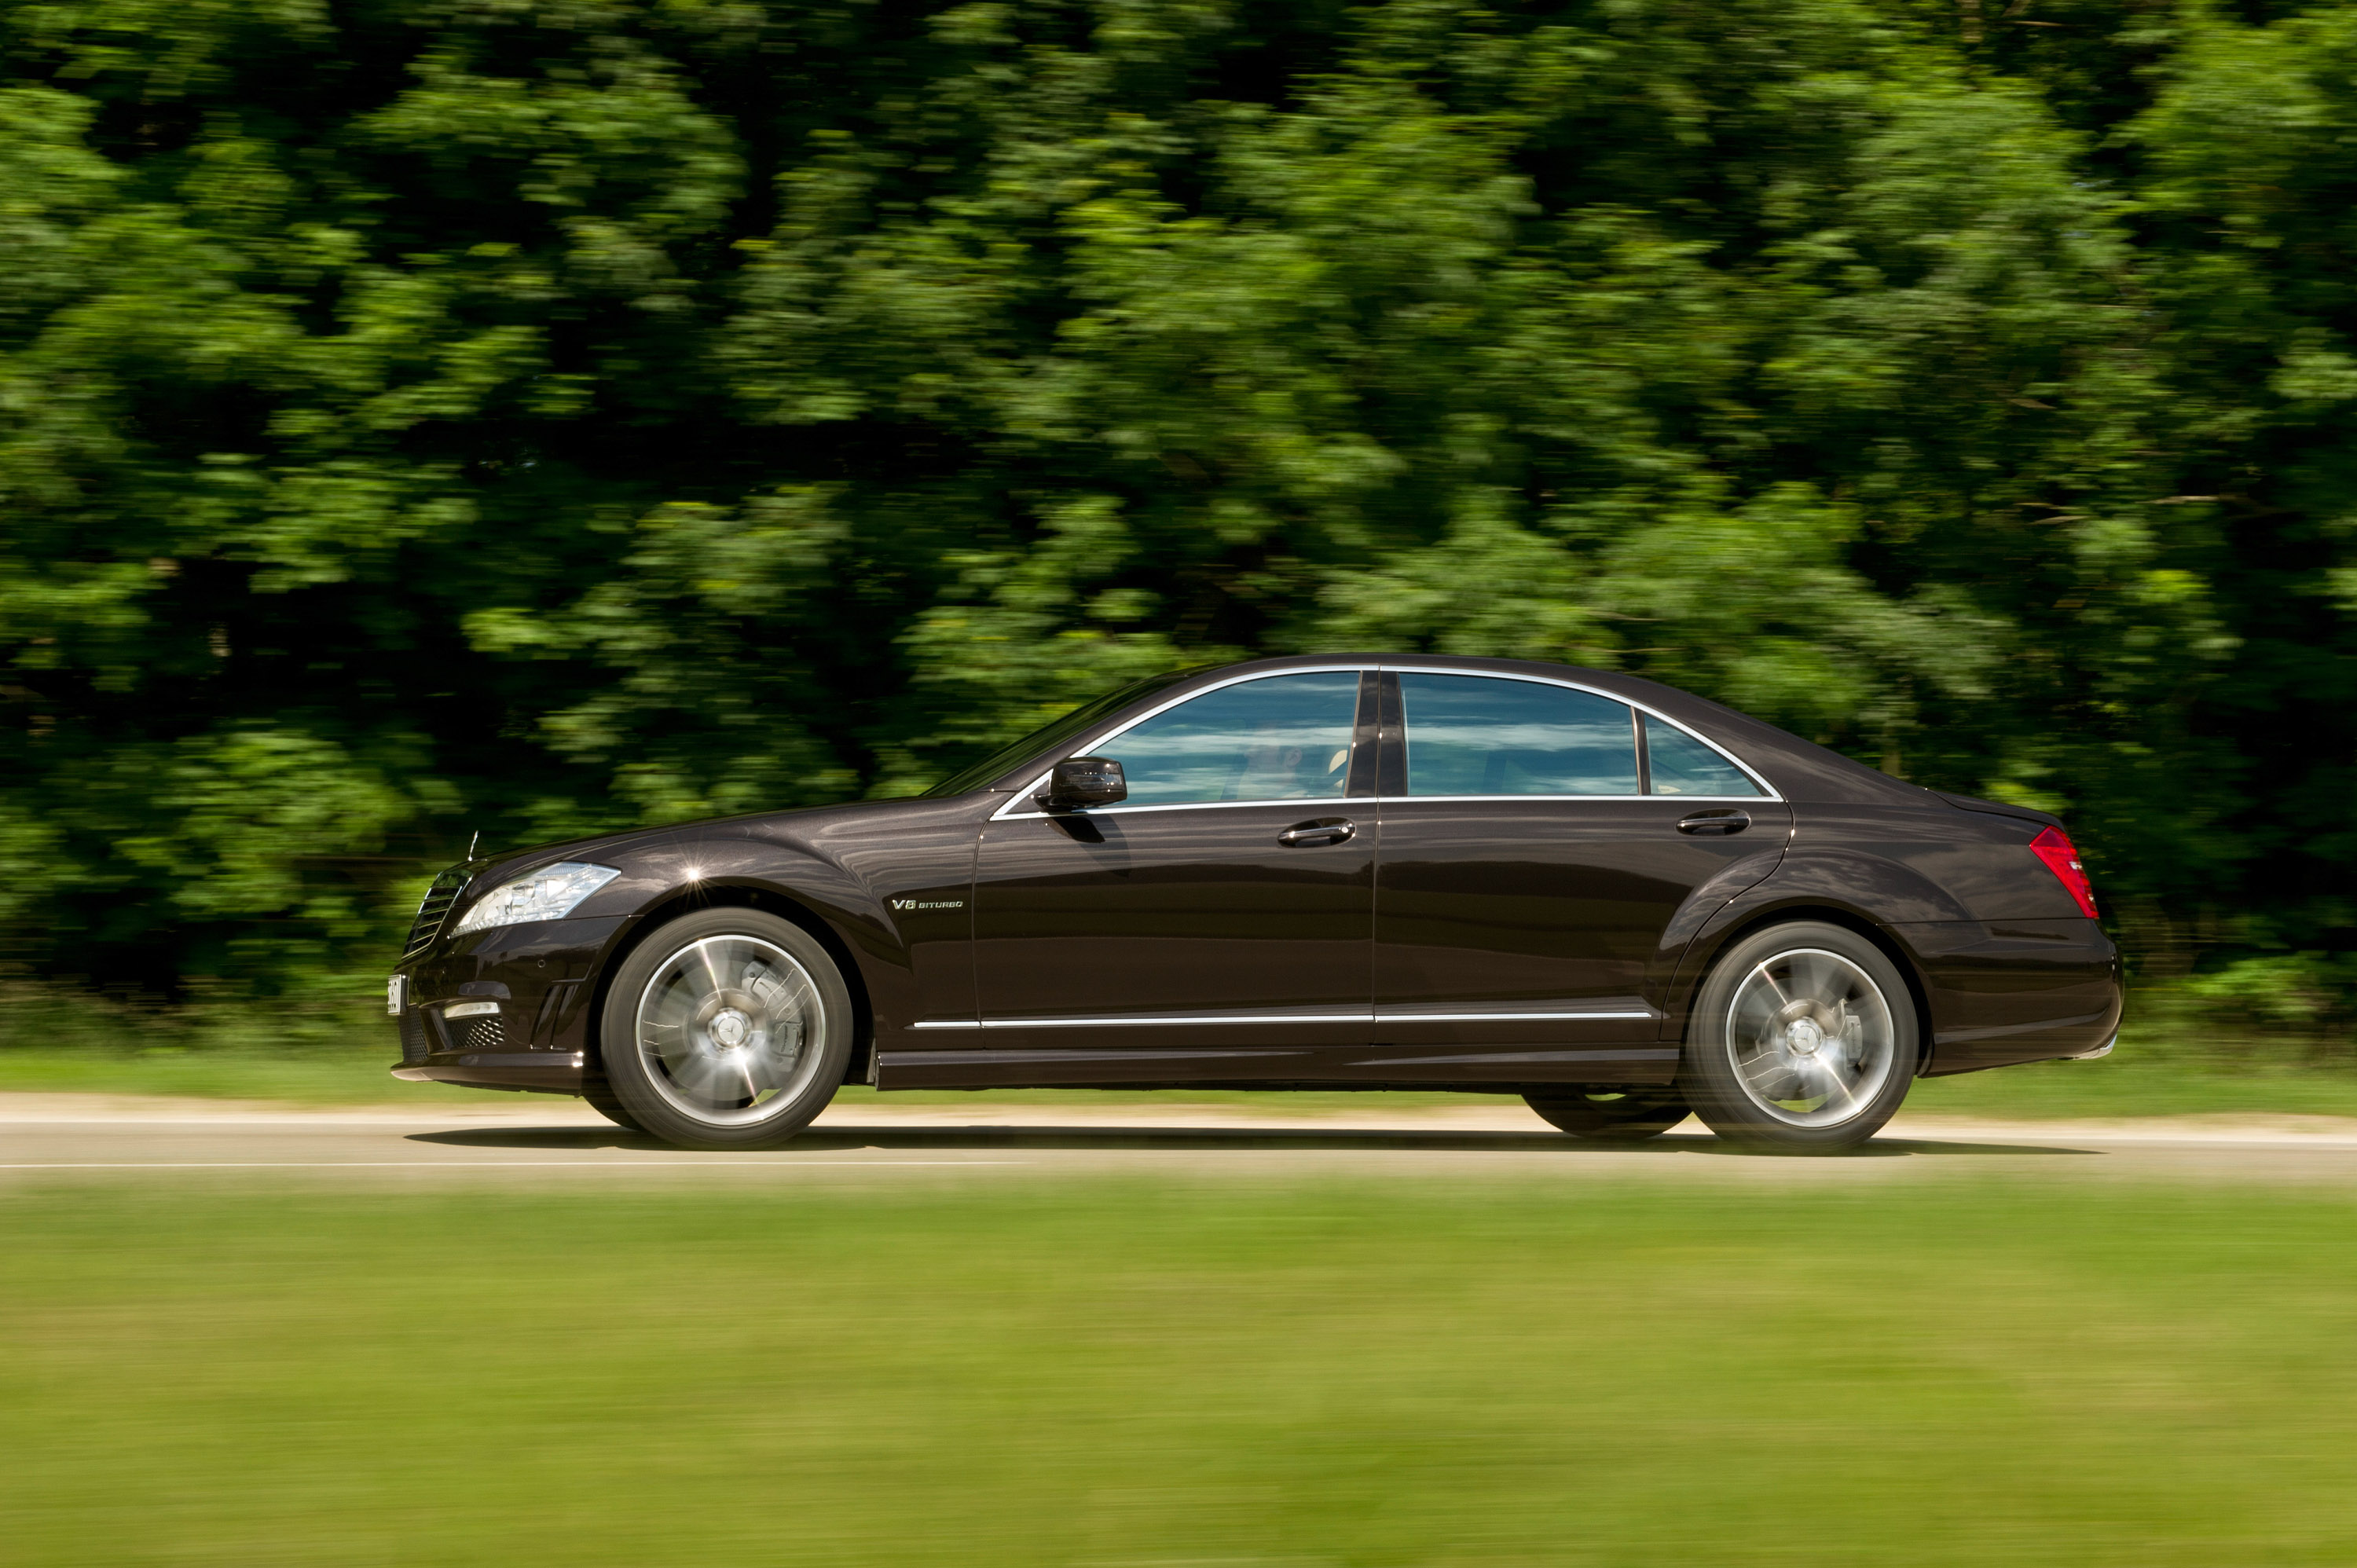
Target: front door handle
[1716,823]
[1325,830]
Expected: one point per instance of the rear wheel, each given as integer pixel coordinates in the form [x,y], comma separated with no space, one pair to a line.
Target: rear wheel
[1804,1040]
[726,1029]
[1610,1116]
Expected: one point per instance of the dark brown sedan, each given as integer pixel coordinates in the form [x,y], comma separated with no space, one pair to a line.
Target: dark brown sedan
[1617,900]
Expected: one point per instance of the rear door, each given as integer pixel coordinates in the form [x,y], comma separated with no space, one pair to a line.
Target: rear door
[1538,839]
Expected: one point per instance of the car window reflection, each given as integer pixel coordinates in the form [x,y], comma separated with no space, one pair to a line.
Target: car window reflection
[1681,765]
[1469,734]
[1286,737]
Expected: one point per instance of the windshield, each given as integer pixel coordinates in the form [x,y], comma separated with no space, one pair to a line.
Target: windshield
[1053,734]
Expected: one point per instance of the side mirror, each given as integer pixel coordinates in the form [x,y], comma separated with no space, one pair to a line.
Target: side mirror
[1080,781]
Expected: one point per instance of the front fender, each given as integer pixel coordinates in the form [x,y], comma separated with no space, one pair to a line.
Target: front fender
[863,895]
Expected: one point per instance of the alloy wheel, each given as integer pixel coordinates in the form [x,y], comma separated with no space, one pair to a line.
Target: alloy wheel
[1811,1037]
[729,1029]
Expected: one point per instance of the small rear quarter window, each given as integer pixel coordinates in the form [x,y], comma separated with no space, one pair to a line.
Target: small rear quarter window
[1681,765]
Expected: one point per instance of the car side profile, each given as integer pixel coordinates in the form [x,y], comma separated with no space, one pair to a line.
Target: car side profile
[1613,898]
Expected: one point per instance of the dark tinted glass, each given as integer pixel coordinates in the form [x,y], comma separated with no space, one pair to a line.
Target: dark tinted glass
[1681,765]
[1282,738]
[1053,734]
[1472,735]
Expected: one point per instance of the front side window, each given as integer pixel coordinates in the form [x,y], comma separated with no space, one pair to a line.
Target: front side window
[1282,738]
[1473,734]
[1678,764]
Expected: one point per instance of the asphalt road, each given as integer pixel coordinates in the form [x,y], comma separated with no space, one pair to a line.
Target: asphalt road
[45,1138]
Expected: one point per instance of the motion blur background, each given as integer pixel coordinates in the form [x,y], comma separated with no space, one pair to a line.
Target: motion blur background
[535,417]
[544,418]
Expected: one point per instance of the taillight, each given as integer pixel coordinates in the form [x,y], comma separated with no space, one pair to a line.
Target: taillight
[2053,847]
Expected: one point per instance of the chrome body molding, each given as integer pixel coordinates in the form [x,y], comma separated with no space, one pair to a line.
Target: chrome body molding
[1618,1054]
[1582,1016]
[1117,1023]
[1370,1017]
[960,1058]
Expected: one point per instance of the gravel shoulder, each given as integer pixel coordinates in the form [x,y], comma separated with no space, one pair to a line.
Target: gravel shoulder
[550,1141]
[1498,1115]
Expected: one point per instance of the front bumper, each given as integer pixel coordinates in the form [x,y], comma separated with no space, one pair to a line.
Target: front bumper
[508,1008]
[532,1072]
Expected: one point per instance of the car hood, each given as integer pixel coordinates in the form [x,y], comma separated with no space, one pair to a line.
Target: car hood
[509,864]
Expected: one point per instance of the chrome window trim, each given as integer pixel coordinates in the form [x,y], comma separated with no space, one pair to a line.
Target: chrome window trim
[1023,796]
[1008,816]
[1420,800]
[1005,815]
[1768,790]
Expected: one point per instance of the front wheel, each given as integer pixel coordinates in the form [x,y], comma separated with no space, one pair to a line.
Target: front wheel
[601,1100]
[1804,1040]
[726,1029]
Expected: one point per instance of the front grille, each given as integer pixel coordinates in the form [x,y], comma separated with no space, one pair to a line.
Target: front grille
[434,910]
[483,1035]
[414,1044]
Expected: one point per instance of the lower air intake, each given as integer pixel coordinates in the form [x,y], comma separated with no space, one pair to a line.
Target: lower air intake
[413,1041]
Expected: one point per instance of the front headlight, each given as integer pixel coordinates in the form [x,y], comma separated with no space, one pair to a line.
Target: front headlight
[548,894]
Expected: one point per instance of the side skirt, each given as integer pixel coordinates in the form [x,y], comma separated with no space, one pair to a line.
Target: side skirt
[1504,1068]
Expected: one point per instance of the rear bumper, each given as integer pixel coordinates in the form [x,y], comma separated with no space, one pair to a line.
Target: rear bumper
[2016,991]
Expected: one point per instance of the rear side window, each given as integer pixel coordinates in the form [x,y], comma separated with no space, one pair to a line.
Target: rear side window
[1284,737]
[1474,734]
[1678,764]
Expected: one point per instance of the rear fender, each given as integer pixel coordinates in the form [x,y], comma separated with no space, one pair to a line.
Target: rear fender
[1865,891]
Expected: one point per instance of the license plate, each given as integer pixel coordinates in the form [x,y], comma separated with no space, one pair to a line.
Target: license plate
[396,993]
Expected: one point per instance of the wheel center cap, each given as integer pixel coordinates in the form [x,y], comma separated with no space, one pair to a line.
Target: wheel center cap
[730,1029]
[1803,1037]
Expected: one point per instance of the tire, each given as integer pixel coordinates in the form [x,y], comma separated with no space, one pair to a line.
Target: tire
[1804,1041]
[726,1029]
[601,1100]
[1610,1116]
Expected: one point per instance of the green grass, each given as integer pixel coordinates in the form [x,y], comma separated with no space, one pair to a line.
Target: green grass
[1003,1371]
[322,1077]
[2126,1084]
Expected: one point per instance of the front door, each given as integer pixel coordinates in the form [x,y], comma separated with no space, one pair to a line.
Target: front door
[1217,924]
[1537,840]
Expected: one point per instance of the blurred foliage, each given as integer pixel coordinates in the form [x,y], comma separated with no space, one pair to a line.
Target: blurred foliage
[540,416]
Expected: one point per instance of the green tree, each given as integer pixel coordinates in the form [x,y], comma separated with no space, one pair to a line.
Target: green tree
[545,416]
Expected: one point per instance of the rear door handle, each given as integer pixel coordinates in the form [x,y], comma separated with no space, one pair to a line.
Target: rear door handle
[1716,823]
[1328,829]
